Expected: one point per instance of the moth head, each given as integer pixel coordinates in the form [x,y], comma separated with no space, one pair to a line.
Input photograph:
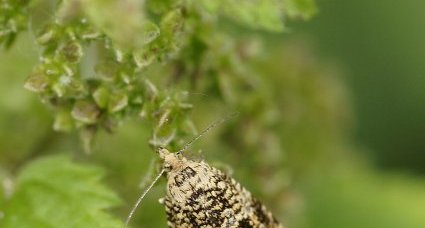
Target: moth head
[171,160]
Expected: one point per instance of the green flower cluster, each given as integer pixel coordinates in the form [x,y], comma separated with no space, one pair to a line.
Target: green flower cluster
[103,61]
[101,94]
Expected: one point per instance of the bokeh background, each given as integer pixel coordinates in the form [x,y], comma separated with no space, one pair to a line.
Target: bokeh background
[333,138]
[380,45]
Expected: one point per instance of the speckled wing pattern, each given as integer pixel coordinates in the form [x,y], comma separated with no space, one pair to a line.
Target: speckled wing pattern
[202,196]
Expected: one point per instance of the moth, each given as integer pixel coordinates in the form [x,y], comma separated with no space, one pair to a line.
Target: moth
[199,195]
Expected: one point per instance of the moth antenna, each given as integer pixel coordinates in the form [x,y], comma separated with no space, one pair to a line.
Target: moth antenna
[142,196]
[211,126]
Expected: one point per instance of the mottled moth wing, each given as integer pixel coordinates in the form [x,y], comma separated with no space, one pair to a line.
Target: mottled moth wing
[202,196]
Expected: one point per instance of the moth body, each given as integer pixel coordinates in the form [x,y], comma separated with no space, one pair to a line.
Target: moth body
[199,195]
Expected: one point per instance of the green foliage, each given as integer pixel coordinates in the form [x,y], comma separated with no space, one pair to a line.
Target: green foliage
[13,19]
[103,62]
[98,56]
[300,8]
[122,21]
[148,71]
[55,192]
[103,95]
[260,14]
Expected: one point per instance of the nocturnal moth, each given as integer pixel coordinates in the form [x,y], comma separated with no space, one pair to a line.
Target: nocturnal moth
[199,195]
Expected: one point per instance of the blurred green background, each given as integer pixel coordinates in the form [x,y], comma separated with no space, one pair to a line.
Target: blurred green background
[339,122]
[381,47]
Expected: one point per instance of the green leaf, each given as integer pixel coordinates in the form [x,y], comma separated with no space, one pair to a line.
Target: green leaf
[304,9]
[261,14]
[55,192]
